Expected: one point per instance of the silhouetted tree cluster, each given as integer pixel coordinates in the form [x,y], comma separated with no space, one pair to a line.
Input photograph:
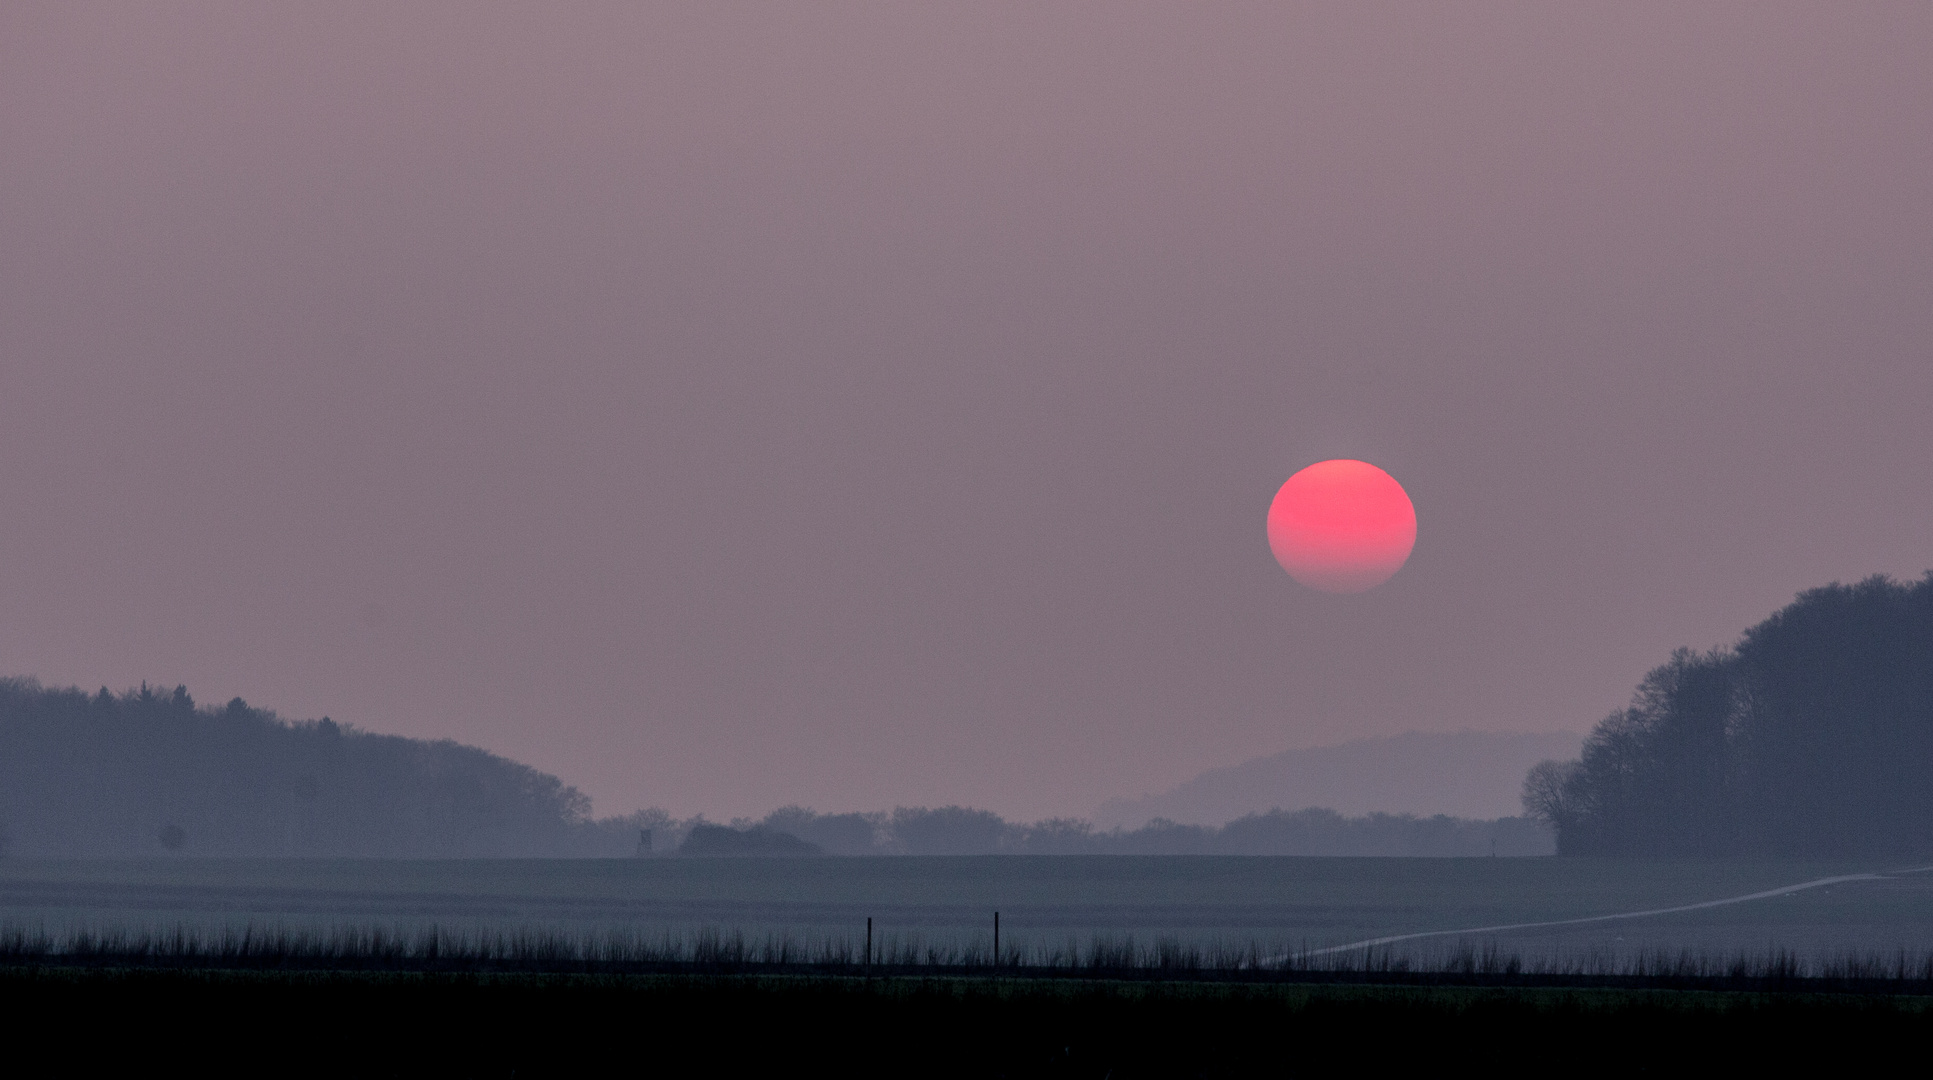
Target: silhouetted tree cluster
[956,830]
[146,773]
[1813,735]
[757,840]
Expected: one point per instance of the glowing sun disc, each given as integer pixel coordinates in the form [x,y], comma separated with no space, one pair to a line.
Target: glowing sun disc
[1342,526]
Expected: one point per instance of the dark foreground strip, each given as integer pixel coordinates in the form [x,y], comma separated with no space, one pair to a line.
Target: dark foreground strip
[414,1024]
[1773,973]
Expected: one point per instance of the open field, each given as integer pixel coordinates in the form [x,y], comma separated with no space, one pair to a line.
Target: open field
[466,1025]
[1276,906]
[1111,967]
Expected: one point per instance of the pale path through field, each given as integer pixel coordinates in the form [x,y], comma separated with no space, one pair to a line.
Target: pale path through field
[1783,890]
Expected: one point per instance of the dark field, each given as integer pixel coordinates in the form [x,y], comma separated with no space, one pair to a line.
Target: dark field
[1108,967]
[484,1026]
[1049,905]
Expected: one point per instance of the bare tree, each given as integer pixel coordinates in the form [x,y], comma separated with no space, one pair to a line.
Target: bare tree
[1545,797]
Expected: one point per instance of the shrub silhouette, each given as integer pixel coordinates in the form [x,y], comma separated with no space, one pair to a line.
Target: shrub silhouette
[757,840]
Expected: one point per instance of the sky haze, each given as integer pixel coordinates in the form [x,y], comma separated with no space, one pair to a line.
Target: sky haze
[856,405]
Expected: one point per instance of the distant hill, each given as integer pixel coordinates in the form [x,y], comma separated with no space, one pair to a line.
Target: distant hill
[1466,774]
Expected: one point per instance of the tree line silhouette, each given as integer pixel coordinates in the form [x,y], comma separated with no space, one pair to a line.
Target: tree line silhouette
[147,773]
[1813,735]
[959,830]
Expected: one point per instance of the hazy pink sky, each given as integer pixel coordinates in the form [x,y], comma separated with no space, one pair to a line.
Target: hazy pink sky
[730,405]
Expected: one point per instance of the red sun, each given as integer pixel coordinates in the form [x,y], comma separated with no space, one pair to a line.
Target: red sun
[1342,526]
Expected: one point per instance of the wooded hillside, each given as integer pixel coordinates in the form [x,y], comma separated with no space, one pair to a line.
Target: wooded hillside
[1813,735]
[144,773]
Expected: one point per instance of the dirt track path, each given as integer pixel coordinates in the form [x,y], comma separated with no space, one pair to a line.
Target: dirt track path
[1783,890]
